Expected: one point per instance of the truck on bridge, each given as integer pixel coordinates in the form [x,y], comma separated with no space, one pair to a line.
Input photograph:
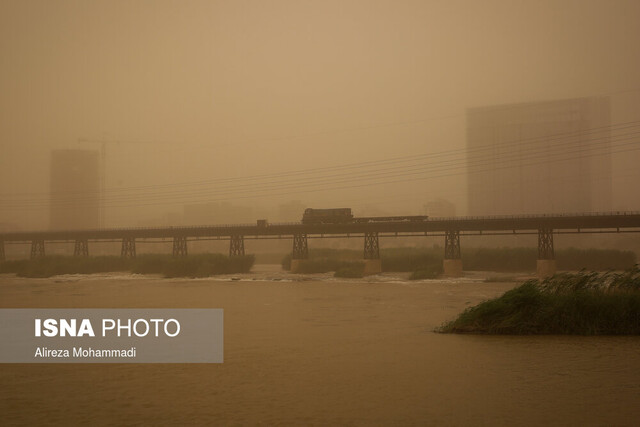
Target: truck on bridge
[327,216]
[344,216]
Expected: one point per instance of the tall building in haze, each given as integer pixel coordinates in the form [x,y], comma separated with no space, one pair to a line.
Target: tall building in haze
[75,190]
[539,157]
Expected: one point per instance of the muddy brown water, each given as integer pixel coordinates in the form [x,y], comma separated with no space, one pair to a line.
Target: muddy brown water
[321,351]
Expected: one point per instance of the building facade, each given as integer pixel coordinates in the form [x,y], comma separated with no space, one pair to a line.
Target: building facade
[75,190]
[440,208]
[539,157]
[217,213]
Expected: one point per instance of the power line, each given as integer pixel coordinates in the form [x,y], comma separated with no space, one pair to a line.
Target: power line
[582,132]
[383,173]
[323,180]
[369,179]
[359,165]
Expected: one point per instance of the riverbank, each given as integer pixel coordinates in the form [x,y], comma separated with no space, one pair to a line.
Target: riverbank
[575,304]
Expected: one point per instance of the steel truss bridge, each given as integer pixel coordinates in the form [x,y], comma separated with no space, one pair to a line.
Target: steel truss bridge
[545,226]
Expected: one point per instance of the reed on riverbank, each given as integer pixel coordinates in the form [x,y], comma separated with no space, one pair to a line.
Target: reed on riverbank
[199,265]
[586,303]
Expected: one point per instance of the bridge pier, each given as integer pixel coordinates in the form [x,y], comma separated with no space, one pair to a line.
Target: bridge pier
[236,246]
[2,257]
[372,262]
[81,248]
[546,264]
[37,249]
[179,246]
[300,251]
[128,247]
[452,263]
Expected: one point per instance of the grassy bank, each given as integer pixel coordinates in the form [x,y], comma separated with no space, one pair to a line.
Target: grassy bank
[581,304]
[200,265]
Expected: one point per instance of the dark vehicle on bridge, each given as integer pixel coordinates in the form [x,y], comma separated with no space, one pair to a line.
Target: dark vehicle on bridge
[327,216]
[404,218]
[344,216]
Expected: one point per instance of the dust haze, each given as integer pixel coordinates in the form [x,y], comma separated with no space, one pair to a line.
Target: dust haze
[259,109]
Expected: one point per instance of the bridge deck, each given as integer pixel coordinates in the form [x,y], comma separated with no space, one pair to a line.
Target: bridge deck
[589,222]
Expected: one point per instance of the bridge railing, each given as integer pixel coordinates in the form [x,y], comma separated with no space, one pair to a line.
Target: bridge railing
[533,216]
[230,226]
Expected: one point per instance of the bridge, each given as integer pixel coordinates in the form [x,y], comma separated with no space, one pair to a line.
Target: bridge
[545,226]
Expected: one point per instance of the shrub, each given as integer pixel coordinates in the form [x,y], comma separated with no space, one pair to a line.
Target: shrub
[497,279]
[429,272]
[352,270]
[586,303]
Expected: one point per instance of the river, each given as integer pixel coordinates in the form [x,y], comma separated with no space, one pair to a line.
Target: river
[313,350]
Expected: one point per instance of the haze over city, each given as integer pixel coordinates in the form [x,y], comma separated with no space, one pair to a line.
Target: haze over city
[329,212]
[354,104]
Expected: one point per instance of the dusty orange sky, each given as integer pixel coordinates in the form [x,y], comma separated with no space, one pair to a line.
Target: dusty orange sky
[212,90]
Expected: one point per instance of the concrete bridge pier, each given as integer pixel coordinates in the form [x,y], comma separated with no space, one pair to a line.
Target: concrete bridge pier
[546,264]
[81,248]
[300,251]
[372,262]
[128,247]
[37,249]
[236,246]
[2,257]
[452,263]
[179,246]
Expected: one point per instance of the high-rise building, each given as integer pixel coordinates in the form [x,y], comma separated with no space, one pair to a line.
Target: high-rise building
[75,190]
[217,213]
[440,208]
[539,157]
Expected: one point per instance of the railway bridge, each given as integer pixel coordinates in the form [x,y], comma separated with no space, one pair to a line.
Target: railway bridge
[451,229]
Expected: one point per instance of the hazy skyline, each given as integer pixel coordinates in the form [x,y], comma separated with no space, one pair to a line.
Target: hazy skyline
[210,92]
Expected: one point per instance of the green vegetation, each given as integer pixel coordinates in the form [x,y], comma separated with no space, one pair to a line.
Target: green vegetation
[412,260]
[583,304]
[325,265]
[500,259]
[347,261]
[427,272]
[200,265]
[426,263]
[499,279]
[353,270]
[57,264]
[270,257]
[595,259]
[324,259]
[524,259]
